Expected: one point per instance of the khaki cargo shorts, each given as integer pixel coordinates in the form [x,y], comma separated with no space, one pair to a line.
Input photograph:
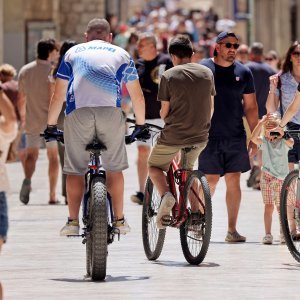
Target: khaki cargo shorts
[81,126]
[162,155]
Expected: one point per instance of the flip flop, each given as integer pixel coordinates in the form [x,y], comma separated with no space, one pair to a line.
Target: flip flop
[53,202]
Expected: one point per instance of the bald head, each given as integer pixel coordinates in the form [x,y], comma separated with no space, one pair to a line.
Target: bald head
[98,29]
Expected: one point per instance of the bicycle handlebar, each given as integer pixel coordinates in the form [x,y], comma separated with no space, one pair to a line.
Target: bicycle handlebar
[128,120]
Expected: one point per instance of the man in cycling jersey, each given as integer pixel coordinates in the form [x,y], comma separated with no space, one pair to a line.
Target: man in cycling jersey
[90,77]
[186,93]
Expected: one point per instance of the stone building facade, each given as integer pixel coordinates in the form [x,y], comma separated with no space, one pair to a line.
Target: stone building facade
[24,22]
[272,22]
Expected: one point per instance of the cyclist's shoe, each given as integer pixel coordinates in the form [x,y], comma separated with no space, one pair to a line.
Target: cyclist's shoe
[137,198]
[71,228]
[234,237]
[165,208]
[122,226]
[296,236]
[25,191]
[268,239]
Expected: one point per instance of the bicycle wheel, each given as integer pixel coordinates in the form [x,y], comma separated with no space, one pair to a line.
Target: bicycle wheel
[195,232]
[287,214]
[153,238]
[96,246]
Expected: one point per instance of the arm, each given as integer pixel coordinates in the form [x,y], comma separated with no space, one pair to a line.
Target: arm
[8,112]
[289,142]
[255,137]
[291,110]
[165,108]
[138,101]
[21,104]
[57,100]
[272,100]
[251,113]
[212,106]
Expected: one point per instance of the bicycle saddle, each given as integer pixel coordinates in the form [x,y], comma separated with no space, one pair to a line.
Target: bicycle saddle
[96,146]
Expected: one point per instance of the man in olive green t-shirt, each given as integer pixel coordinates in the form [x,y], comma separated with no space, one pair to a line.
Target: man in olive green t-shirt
[186,93]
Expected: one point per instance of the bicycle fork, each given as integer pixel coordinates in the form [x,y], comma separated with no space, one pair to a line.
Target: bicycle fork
[297,205]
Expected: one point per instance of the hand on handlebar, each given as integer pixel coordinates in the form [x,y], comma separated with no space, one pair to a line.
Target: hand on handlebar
[51,133]
[140,133]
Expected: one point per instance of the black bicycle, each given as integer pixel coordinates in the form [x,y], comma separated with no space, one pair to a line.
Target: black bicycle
[97,212]
[290,207]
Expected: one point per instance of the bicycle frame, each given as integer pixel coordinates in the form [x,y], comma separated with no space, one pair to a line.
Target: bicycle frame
[178,176]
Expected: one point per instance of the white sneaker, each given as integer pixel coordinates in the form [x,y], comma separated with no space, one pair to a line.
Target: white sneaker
[122,226]
[165,208]
[71,228]
[268,239]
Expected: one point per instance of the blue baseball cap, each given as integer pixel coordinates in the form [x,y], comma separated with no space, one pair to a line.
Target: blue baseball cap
[224,34]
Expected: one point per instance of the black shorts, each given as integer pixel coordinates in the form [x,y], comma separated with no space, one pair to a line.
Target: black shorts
[293,154]
[224,155]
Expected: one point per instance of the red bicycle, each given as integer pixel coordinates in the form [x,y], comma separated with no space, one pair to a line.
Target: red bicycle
[191,214]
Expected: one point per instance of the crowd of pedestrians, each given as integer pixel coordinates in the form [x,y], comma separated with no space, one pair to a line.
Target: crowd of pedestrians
[248,86]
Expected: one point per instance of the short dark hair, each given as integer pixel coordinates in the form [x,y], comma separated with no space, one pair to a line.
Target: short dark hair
[257,48]
[181,46]
[45,47]
[98,29]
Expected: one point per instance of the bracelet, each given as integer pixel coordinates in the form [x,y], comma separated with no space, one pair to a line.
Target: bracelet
[281,126]
[272,92]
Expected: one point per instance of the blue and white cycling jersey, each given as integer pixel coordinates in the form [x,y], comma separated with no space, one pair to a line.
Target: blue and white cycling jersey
[95,71]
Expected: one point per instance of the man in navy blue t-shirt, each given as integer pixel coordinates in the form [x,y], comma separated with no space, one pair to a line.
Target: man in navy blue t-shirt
[226,152]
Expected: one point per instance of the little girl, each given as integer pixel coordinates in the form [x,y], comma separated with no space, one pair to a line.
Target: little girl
[274,168]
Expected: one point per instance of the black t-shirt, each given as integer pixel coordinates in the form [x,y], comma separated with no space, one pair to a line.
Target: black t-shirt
[149,75]
[261,73]
[231,83]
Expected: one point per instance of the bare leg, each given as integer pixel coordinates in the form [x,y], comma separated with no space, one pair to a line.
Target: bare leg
[30,161]
[75,190]
[159,180]
[115,186]
[233,199]
[269,208]
[53,171]
[142,167]
[212,181]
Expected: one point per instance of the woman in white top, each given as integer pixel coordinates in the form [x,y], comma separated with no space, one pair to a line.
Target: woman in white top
[8,131]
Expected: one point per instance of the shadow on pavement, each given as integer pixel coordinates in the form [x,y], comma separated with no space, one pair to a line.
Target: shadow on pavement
[185,264]
[291,267]
[108,278]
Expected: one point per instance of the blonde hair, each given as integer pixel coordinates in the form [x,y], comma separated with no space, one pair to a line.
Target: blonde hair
[8,70]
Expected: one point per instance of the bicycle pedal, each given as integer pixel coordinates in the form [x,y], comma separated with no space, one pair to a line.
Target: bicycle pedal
[166,220]
[74,235]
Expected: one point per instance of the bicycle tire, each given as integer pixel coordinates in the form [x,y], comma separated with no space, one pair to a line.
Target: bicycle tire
[287,199]
[97,237]
[153,238]
[195,232]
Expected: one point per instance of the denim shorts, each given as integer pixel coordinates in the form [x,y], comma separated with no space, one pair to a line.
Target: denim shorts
[224,155]
[3,216]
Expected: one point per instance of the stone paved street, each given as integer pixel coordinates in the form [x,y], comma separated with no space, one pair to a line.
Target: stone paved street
[38,264]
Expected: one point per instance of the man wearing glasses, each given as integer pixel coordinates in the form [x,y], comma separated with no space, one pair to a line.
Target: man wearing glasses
[226,152]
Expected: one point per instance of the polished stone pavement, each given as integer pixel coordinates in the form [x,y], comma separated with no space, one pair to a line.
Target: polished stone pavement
[38,264]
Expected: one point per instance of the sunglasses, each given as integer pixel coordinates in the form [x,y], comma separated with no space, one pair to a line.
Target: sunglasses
[296,54]
[269,58]
[230,45]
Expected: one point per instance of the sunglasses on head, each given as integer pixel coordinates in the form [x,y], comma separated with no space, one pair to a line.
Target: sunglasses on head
[229,45]
[296,54]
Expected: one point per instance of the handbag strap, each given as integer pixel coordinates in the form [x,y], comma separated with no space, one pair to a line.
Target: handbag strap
[280,94]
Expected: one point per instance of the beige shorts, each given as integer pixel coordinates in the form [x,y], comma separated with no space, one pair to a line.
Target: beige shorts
[107,124]
[162,155]
[34,140]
